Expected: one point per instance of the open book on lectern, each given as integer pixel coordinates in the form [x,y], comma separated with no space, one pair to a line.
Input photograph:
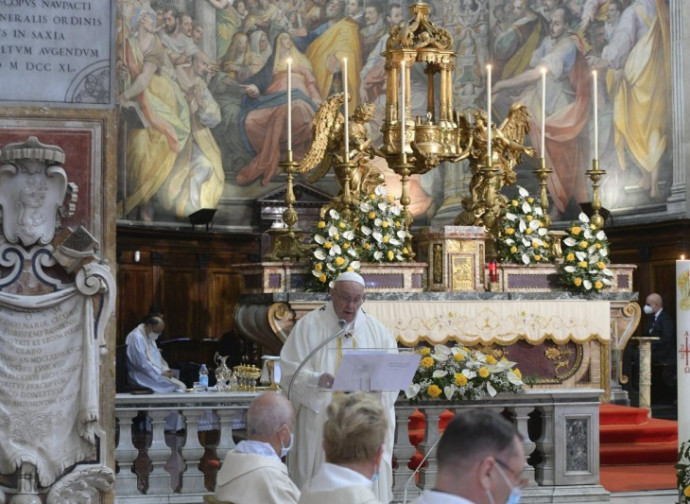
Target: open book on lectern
[370,371]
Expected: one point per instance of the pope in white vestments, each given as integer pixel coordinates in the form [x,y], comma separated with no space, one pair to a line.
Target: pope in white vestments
[310,392]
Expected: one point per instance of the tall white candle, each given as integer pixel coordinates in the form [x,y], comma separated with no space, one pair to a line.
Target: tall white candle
[596,115]
[682,354]
[488,111]
[289,101]
[402,106]
[347,131]
[543,112]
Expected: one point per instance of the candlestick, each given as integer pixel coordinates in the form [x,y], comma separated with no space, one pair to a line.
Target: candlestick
[289,101]
[596,115]
[543,112]
[347,131]
[402,106]
[488,111]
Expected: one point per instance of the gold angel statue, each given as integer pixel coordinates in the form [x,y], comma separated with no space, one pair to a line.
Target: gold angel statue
[507,147]
[327,149]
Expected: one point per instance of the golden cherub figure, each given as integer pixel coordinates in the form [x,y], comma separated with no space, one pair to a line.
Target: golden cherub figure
[507,147]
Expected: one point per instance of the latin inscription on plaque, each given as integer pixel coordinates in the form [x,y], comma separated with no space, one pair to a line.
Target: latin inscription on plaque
[56,51]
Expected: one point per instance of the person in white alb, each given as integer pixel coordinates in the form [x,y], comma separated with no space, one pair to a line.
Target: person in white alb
[480,461]
[310,392]
[353,438]
[253,471]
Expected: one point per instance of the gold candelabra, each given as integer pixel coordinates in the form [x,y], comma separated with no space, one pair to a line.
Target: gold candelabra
[287,242]
[595,175]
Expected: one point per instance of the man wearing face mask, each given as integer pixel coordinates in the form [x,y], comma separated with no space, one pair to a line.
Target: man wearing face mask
[252,472]
[145,364]
[480,461]
[660,324]
[310,392]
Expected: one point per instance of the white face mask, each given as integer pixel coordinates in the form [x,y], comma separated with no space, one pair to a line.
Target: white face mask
[284,450]
[154,335]
[647,309]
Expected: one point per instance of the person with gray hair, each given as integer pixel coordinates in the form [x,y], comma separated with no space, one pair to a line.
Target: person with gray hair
[353,438]
[338,327]
[480,461]
[253,471]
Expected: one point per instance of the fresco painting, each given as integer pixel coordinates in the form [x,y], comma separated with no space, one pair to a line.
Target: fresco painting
[202,91]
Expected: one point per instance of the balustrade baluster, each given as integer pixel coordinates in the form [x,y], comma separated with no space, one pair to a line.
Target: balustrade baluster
[125,454]
[192,451]
[546,471]
[403,452]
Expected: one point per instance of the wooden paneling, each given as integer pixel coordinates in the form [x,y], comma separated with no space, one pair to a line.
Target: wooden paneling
[189,275]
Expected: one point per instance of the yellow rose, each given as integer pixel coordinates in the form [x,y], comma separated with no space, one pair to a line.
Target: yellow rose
[322,278]
[510,231]
[337,236]
[686,491]
[367,246]
[597,245]
[593,228]
[460,379]
[577,281]
[598,285]
[535,244]
[514,203]
[458,357]
[339,261]
[318,267]
[384,224]
[583,244]
[601,265]
[341,225]
[350,269]
[530,200]
[576,230]
[483,372]
[433,391]
[518,373]
[427,362]
[372,215]
[391,199]
[491,359]
[582,264]
[346,246]
[529,231]
[386,238]
[390,255]
[537,257]
[513,249]
[397,223]
[570,257]
[424,351]
[327,245]
[530,218]
[322,224]
[405,251]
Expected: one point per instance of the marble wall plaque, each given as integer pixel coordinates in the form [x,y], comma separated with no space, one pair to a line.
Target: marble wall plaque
[56,51]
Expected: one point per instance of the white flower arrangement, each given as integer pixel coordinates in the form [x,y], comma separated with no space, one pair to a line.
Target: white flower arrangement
[335,251]
[585,258]
[382,233]
[524,237]
[458,372]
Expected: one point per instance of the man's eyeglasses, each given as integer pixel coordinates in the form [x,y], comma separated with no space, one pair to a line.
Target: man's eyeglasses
[349,300]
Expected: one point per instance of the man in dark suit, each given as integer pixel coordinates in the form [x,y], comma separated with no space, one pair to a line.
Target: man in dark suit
[662,325]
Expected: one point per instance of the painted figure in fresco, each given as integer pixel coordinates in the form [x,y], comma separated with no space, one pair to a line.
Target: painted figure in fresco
[264,111]
[334,40]
[162,126]
[259,44]
[197,178]
[229,19]
[637,62]
[375,27]
[568,89]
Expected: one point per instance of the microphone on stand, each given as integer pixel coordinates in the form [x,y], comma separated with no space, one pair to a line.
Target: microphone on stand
[412,476]
[343,327]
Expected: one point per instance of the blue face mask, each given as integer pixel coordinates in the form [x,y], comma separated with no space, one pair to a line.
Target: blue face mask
[515,492]
[284,450]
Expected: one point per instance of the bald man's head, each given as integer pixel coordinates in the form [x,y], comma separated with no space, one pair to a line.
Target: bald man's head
[267,414]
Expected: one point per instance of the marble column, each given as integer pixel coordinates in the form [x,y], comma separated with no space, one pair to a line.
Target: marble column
[645,387]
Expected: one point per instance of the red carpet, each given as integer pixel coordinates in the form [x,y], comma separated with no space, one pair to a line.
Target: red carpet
[636,452]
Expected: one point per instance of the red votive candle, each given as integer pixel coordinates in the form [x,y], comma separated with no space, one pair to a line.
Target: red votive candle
[493,271]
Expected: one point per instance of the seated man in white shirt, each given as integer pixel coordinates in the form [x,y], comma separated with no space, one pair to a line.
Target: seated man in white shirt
[480,461]
[353,439]
[253,472]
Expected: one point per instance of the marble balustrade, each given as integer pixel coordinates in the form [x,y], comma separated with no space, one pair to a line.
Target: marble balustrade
[560,429]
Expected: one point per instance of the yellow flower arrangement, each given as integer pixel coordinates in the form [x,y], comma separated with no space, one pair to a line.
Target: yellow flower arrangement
[524,238]
[458,372]
[683,471]
[586,252]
